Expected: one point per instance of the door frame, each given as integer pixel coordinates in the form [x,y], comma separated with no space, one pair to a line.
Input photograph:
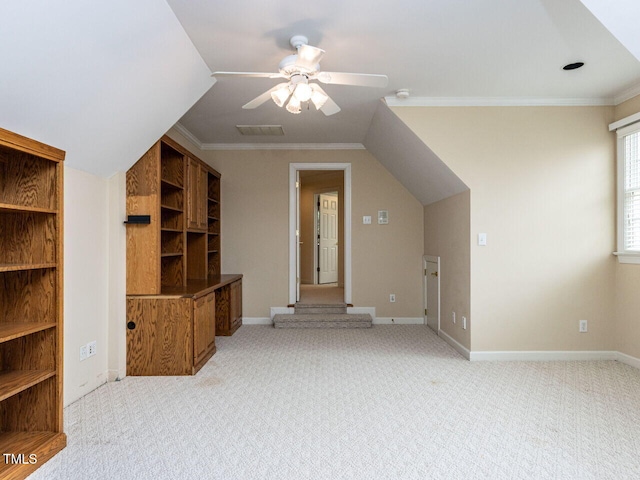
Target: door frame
[294,261]
[436,260]
[316,221]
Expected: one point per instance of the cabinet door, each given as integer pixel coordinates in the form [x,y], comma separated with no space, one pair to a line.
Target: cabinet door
[196,196]
[236,304]
[203,218]
[201,321]
[211,320]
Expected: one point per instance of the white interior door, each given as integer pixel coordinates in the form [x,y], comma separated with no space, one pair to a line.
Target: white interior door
[432,292]
[328,238]
[297,233]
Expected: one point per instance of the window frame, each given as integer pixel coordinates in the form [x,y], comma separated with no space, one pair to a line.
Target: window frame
[624,255]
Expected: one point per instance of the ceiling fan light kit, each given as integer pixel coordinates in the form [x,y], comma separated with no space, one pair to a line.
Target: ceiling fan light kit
[298,69]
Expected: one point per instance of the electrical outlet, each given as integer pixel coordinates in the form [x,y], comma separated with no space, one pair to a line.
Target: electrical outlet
[392,297]
[91,348]
[83,353]
[464,323]
[453,317]
[583,326]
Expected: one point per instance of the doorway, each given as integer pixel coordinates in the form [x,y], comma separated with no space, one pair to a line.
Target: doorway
[308,183]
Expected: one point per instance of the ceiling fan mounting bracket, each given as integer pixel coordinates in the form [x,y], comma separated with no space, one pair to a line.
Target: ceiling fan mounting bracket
[298,40]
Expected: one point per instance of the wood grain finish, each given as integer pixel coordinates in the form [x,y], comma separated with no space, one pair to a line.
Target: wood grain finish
[229,308]
[196,256]
[27,181]
[177,260]
[143,241]
[31,301]
[15,381]
[162,341]
[197,185]
[43,445]
[27,238]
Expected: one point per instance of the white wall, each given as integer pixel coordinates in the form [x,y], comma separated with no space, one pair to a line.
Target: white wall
[86,270]
[117,276]
[542,183]
[100,80]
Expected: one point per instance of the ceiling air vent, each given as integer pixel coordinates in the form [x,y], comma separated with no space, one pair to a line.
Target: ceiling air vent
[260,129]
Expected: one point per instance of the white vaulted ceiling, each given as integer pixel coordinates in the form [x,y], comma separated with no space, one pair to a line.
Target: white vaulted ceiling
[443,51]
[103,81]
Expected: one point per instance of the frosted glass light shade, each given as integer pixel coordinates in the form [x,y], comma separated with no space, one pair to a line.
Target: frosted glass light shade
[280,96]
[303,92]
[294,105]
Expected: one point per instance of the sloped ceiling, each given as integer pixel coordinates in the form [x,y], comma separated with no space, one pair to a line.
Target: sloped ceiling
[100,80]
[408,159]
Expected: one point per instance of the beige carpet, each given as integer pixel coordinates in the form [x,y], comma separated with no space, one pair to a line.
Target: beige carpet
[390,402]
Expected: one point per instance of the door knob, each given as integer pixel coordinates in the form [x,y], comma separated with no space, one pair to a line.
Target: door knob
[435,274]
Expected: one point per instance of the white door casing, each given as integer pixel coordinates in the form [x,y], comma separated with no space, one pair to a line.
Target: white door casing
[328,238]
[294,168]
[297,234]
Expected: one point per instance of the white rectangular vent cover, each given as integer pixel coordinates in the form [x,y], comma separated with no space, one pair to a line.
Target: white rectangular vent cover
[260,129]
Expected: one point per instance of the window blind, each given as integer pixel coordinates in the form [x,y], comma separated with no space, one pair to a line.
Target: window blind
[631,207]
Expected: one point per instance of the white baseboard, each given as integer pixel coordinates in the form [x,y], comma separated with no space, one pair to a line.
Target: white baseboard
[628,360]
[256,321]
[114,375]
[398,320]
[454,343]
[283,310]
[543,356]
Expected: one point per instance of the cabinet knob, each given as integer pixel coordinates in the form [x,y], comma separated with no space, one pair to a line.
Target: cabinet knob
[131,325]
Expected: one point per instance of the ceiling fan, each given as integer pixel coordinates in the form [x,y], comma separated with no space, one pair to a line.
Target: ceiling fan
[299,70]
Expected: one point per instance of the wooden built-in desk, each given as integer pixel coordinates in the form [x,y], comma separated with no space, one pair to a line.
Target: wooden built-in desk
[174,333]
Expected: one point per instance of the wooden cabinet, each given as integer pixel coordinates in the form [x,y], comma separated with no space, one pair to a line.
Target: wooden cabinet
[172,260]
[170,335]
[178,245]
[229,308]
[204,326]
[31,179]
[174,333]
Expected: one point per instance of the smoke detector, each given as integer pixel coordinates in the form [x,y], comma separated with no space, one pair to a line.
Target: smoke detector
[402,93]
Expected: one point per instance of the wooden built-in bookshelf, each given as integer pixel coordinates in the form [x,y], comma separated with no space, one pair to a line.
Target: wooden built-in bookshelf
[31,230]
[174,264]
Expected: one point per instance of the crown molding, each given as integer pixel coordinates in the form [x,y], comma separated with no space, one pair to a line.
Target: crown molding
[627,94]
[283,146]
[189,136]
[392,101]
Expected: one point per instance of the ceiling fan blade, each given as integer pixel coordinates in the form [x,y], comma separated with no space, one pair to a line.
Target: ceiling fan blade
[357,79]
[260,99]
[330,107]
[247,74]
[309,57]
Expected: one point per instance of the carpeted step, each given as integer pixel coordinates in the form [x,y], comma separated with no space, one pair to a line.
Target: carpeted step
[316,320]
[304,309]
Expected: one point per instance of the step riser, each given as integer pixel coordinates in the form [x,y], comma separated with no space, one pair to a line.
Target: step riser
[342,320]
[320,310]
[322,325]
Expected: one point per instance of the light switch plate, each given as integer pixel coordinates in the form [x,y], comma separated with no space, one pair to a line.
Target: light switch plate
[482,239]
[383,217]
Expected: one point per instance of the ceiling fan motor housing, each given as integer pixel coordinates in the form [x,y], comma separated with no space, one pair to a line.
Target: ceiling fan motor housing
[289,66]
